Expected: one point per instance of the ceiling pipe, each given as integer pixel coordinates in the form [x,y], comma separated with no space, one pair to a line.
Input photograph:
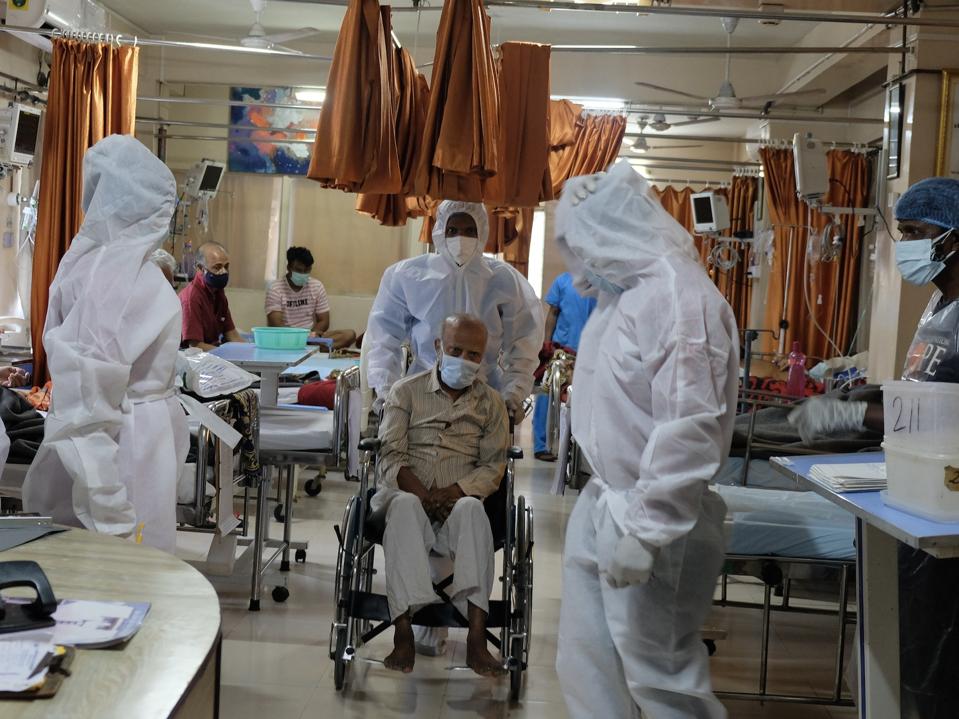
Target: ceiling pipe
[757,50]
[698,160]
[719,14]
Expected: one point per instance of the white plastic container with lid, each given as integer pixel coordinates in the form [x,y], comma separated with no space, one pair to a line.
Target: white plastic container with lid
[922,416]
[922,482]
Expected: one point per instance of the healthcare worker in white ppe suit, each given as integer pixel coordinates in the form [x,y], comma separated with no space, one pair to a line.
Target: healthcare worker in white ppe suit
[658,363]
[116,435]
[417,294]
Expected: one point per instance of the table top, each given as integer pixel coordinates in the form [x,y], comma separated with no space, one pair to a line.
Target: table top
[148,676]
[251,357]
[935,537]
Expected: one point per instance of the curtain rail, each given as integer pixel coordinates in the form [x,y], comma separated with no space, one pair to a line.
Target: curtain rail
[820,17]
[722,50]
[134,41]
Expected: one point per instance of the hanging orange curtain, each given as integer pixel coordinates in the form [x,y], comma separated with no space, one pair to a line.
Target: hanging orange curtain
[597,143]
[523,178]
[92,94]
[355,146]
[510,234]
[462,123]
[410,95]
[807,294]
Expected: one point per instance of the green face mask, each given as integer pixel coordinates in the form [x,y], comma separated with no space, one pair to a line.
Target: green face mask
[299,278]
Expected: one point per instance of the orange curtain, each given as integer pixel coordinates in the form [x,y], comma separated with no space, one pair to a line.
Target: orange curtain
[511,234]
[93,90]
[410,95]
[355,146]
[597,143]
[462,124]
[523,177]
[734,283]
[807,294]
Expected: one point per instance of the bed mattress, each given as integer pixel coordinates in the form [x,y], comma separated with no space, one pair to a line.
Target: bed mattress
[786,524]
[291,427]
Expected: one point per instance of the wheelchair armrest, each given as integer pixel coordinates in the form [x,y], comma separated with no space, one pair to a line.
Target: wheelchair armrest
[514,453]
[370,444]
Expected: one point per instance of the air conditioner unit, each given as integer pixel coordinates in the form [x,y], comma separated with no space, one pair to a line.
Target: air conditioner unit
[63,15]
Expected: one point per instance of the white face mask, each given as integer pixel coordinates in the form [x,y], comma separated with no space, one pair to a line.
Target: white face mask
[458,249]
[457,372]
[915,259]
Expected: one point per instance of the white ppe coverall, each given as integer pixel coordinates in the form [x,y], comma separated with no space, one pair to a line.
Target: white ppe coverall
[658,366]
[417,294]
[116,436]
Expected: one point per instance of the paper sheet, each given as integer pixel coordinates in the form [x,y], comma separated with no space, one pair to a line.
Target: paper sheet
[860,477]
[18,660]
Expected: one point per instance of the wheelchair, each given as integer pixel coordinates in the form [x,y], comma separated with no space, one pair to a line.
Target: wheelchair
[361,615]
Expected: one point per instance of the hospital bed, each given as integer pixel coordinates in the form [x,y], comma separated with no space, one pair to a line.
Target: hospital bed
[288,435]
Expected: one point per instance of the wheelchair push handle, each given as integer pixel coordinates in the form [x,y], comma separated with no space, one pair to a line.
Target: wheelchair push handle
[370,444]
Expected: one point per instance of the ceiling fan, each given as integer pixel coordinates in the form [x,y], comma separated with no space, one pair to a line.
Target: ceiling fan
[726,99]
[659,123]
[258,38]
[640,144]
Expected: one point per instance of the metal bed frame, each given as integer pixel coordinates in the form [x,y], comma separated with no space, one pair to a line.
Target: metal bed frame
[195,515]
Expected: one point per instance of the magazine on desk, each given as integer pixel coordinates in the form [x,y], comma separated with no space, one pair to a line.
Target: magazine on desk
[89,624]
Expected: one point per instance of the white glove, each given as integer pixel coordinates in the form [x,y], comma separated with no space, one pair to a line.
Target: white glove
[821,415]
[585,188]
[632,562]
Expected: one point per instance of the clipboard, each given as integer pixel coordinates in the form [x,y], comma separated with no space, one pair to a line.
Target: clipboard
[58,670]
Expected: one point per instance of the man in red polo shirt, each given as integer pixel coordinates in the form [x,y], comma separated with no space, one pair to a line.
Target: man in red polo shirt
[206,312]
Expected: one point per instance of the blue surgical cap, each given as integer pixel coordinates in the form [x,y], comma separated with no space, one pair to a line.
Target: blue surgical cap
[934,200]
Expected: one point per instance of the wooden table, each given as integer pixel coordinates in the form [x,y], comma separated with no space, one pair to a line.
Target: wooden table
[171,666]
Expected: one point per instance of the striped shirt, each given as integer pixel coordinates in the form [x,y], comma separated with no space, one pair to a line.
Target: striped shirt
[299,307]
[441,441]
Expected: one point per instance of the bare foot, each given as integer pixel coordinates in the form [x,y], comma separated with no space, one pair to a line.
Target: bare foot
[479,659]
[403,656]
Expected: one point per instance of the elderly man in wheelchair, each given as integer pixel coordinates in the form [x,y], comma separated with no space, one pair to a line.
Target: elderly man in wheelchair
[441,456]
[444,435]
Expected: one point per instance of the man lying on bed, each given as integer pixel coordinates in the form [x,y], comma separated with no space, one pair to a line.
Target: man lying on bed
[444,434]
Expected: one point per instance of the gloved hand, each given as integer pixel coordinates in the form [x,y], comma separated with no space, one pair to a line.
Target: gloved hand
[584,187]
[632,562]
[822,415]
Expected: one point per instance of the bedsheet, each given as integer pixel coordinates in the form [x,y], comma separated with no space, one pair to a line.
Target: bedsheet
[786,524]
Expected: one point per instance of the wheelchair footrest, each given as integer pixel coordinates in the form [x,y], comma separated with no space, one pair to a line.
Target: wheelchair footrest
[375,607]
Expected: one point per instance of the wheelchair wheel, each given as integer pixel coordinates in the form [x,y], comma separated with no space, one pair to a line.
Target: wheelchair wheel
[522,594]
[516,669]
[278,514]
[339,663]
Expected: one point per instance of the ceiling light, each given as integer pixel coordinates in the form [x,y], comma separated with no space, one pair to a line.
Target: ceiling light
[596,103]
[311,94]
[640,145]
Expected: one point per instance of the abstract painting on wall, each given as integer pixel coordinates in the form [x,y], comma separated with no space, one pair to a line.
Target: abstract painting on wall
[256,146]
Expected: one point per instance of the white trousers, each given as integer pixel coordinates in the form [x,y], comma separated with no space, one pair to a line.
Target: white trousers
[638,647]
[465,538]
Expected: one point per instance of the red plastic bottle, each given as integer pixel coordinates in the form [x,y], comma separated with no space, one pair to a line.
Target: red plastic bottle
[796,379]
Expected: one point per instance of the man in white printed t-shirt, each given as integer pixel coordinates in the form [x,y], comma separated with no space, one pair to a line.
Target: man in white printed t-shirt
[299,300]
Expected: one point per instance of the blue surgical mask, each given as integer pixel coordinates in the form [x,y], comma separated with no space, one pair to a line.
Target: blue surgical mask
[602,284]
[299,278]
[915,259]
[457,372]
[216,282]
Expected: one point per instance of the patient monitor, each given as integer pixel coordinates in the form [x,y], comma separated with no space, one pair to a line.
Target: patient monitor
[710,212]
[203,180]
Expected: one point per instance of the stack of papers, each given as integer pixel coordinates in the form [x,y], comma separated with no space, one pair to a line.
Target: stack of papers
[91,625]
[23,664]
[864,477]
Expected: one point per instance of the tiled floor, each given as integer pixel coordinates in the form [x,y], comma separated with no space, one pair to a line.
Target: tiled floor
[276,664]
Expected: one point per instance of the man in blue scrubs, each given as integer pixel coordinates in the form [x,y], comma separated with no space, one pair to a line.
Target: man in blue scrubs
[568,312]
